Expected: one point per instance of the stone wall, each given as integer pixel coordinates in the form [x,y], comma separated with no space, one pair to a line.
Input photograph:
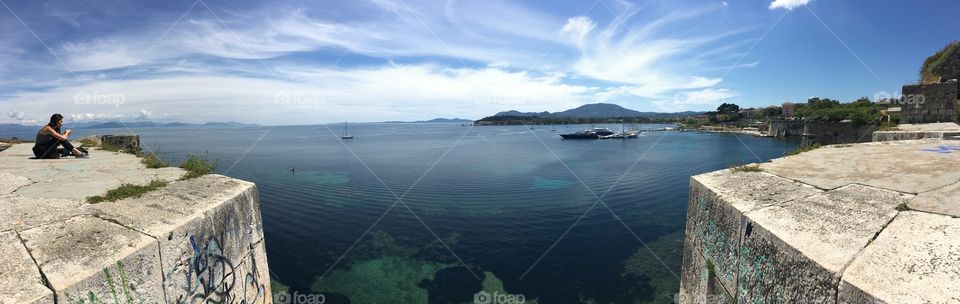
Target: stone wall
[914,135]
[126,142]
[830,133]
[195,241]
[785,128]
[939,103]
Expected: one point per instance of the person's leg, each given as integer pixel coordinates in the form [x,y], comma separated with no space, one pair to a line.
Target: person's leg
[67,146]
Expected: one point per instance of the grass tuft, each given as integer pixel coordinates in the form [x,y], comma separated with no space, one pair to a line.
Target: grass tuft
[711,269]
[802,149]
[197,166]
[126,191]
[87,142]
[747,168]
[109,147]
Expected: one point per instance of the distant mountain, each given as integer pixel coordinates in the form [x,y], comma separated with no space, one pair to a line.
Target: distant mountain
[598,110]
[436,120]
[230,124]
[151,124]
[17,130]
[117,124]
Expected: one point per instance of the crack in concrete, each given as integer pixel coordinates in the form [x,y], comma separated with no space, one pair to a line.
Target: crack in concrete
[32,182]
[860,253]
[163,276]
[43,276]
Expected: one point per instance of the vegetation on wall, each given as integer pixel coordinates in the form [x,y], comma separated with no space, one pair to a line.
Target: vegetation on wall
[933,63]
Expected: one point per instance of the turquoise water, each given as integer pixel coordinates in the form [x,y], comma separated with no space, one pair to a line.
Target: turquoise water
[481,206]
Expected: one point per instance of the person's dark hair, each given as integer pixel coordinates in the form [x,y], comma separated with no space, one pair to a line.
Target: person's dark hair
[54,119]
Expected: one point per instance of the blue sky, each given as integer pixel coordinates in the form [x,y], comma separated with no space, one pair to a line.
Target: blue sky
[296,62]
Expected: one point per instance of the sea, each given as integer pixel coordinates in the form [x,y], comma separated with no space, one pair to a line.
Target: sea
[447,213]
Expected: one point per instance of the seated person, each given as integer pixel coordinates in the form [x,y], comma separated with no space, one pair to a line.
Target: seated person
[49,139]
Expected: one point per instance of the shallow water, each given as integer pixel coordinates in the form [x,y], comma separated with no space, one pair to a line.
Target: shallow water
[488,207]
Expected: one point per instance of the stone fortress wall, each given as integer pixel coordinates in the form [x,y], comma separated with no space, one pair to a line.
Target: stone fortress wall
[939,103]
[785,128]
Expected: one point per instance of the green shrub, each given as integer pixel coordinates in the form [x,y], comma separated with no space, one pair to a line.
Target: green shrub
[126,191]
[153,161]
[197,166]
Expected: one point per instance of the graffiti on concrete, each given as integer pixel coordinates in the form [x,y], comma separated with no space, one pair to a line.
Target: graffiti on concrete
[213,278]
[717,245]
[759,280]
[943,149]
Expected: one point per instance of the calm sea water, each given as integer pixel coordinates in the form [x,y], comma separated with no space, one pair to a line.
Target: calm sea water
[478,206]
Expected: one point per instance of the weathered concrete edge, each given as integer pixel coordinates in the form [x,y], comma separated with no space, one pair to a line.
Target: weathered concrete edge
[839,281]
[246,189]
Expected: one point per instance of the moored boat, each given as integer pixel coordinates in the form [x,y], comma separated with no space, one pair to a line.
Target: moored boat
[595,133]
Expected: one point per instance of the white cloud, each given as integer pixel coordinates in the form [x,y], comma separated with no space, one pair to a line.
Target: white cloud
[18,115]
[648,63]
[459,58]
[788,4]
[370,94]
[703,100]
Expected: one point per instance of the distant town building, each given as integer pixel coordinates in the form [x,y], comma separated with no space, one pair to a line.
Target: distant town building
[813,100]
[789,109]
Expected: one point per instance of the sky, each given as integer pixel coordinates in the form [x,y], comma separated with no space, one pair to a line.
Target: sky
[308,62]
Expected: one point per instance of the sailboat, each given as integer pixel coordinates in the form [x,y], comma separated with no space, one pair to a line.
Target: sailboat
[345,135]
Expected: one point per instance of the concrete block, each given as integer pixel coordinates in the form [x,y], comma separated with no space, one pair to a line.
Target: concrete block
[906,166]
[715,213]
[20,279]
[89,258]
[206,229]
[786,256]
[944,201]
[253,277]
[914,260]
[697,284]
[22,213]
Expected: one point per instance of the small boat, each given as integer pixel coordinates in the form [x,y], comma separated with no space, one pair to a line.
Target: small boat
[345,135]
[595,133]
[624,135]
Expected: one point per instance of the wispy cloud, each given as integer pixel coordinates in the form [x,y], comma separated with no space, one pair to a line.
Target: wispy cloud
[643,58]
[404,60]
[381,93]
